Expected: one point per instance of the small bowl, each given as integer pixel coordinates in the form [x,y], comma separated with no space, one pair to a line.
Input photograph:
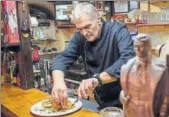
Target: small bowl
[111,112]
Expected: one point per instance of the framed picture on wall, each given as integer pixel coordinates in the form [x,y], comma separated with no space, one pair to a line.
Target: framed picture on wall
[121,6]
[63,10]
[134,5]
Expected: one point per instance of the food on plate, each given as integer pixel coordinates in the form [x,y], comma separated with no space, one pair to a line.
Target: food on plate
[74,92]
[55,105]
[51,104]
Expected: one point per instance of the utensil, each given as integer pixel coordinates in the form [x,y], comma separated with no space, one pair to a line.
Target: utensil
[77,99]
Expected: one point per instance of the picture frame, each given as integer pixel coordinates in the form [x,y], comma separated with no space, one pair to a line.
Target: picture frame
[134,5]
[121,6]
[63,10]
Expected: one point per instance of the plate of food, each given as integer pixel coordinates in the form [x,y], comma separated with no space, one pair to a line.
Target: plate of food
[49,108]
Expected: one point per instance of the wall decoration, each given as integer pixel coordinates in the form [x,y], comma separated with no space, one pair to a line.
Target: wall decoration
[121,6]
[134,5]
[63,11]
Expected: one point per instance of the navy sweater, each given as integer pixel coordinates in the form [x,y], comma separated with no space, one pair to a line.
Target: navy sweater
[108,53]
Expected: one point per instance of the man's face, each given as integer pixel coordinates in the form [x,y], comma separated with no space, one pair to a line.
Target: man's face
[141,49]
[88,28]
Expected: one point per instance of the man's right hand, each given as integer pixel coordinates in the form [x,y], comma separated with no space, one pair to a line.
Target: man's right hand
[86,87]
[59,91]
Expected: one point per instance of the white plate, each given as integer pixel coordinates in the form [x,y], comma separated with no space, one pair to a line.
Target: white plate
[37,109]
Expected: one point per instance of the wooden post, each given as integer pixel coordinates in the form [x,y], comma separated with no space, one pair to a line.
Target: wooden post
[168,61]
[25,54]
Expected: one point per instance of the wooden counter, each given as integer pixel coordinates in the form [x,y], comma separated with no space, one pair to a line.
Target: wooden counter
[150,28]
[17,102]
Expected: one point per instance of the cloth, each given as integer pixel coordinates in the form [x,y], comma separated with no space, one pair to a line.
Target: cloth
[108,53]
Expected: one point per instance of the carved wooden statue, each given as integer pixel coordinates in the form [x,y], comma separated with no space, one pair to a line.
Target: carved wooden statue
[140,80]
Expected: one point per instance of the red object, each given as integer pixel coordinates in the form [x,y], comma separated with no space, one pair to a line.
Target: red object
[119,17]
[11,23]
[35,55]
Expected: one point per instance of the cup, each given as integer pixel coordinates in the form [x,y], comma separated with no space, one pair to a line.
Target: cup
[111,112]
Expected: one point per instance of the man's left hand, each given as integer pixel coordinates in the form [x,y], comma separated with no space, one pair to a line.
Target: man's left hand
[86,87]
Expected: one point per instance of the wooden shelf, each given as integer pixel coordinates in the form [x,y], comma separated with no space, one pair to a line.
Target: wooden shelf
[151,28]
[10,47]
[66,26]
[46,40]
[48,53]
[133,23]
[161,4]
[164,24]
[130,23]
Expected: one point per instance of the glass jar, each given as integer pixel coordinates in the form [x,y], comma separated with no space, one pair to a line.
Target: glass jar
[111,112]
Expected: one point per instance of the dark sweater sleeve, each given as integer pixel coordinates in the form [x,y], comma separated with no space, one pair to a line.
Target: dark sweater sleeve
[125,44]
[64,60]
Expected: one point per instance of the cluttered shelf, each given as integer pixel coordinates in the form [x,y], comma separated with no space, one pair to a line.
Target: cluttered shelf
[10,46]
[66,26]
[46,40]
[131,23]
[47,53]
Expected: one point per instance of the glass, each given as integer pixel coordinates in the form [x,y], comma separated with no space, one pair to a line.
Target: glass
[111,112]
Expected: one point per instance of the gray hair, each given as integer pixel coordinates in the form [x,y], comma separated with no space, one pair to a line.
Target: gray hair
[82,9]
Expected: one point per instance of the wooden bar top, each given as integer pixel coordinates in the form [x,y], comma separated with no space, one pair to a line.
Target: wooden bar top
[16,102]
[162,24]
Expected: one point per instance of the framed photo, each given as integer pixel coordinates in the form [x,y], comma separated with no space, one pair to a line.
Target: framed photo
[63,11]
[121,6]
[134,5]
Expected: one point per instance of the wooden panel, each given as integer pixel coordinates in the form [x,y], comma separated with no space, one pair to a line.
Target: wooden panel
[153,28]
[17,102]
[63,35]
[159,33]
[25,54]
[166,28]
[148,29]
[161,4]
[13,103]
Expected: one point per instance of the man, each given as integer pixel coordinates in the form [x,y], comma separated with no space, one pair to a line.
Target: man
[104,47]
[139,80]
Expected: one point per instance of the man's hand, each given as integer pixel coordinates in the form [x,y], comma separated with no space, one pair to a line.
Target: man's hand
[86,87]
[107,78]
[59,90]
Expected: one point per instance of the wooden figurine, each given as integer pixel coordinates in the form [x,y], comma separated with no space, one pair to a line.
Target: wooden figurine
[140,80]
